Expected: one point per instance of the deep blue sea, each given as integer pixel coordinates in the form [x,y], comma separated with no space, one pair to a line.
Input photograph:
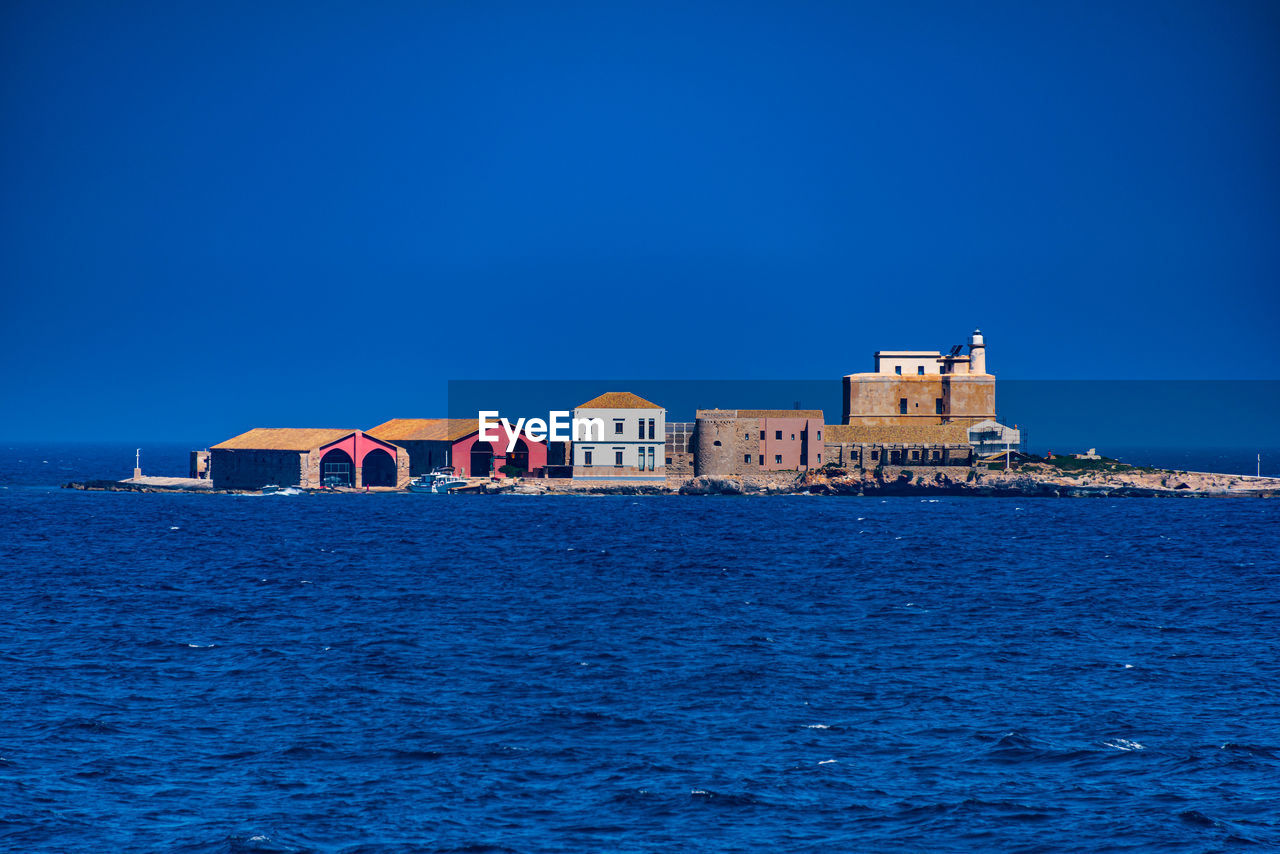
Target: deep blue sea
[391,673]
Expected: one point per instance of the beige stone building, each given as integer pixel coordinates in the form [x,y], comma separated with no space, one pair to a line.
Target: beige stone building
[919,390]
[757,441]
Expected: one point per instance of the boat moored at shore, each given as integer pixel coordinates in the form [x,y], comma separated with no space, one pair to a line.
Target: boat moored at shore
[438,482]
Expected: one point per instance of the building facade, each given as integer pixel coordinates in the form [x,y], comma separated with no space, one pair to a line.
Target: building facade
[990,437]
[310,458]
[455,442]
[680,447]
[922,388]
[857,447]
[751,441]
[630,443]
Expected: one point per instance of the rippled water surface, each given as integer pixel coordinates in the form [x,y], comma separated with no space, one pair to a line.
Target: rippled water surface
[391,673]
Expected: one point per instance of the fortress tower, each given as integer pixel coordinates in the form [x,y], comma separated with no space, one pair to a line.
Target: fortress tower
[922,395]
[717,442]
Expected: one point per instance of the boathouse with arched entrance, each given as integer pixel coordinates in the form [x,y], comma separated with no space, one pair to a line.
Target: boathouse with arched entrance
[307,457]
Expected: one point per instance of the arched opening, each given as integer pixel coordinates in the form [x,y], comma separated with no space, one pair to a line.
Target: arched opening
[336,469]
[379,469]
[481,459]
[519,457]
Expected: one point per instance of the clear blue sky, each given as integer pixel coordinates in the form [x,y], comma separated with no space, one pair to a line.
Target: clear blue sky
[223,215]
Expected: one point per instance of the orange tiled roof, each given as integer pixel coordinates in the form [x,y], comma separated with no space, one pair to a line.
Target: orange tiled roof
[283,439]
[618,400]
[424,429]
[760,413]
[780,413]
[890,433]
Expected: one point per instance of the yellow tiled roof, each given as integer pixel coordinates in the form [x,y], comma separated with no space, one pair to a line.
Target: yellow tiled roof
[759,413]
[871,434]
[780,413]
[283,439]
[424,429]
[618,400]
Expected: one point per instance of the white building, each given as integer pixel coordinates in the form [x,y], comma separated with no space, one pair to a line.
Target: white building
[625,441]
[992,437]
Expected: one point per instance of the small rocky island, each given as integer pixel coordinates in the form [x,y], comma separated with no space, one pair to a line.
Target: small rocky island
[1050,477]
[1054,476]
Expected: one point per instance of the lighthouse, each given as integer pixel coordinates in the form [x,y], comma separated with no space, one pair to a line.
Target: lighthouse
[977,353]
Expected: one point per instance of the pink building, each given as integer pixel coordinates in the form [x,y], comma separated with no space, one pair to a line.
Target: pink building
[436,442]
[743,441]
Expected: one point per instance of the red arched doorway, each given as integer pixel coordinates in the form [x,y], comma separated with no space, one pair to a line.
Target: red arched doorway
[379,469]
[336,469]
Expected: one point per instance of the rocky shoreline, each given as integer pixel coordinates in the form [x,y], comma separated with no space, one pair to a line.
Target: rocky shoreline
[1024,482]
[1030,480]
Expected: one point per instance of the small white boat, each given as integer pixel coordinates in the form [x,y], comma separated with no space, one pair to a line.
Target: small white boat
[276,489]
[438,482]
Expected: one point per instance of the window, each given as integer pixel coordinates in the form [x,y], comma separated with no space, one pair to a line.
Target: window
[761,435]
[819,457]
[746,458]
[915,455]
[819,435]
[937,455]
[652,422]
[762,459]
[617,426]
[937,405]
[875,455]
[897,369]
[853,455]
[651,459]
[920,370]
[902,406]
[746,435]
[716,443]
[777,434]
[337,470]
[793,437]
[777,458]
[586,458]
[668,460]
[617,458]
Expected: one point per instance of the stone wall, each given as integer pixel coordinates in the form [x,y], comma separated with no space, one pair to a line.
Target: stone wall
[757,441]
[861,456]
[425,455]
[605,472]
[199,465]
[720,442]
[876,399]
[680,448]
[403,475]
[238,469]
